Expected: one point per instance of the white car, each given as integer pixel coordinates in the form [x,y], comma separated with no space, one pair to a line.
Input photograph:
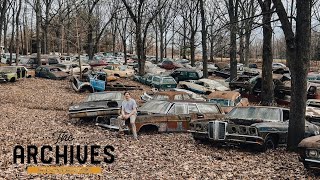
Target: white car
[203,86]
[73,68]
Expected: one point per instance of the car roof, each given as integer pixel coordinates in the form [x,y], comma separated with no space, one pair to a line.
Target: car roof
[231,95]
[270,107]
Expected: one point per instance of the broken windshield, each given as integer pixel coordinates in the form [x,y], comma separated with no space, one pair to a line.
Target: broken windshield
[158,107]
[254,113]
[104,96]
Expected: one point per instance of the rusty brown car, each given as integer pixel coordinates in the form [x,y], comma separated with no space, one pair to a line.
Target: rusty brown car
[168,116]
[227,99]
[309,150]
[168,95]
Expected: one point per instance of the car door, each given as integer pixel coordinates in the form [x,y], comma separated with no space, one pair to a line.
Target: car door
[19,73]
[98,82]
[178,118]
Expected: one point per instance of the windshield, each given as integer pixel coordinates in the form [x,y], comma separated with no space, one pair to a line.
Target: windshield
[123,68]
[7,69]
[222,102]
[251,113]
[158,107]
[169,81]
[104,96]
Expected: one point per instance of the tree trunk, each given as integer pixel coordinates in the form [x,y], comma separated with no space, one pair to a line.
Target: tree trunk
[5,32]
[233,38]
[267,91]
[17,33]
[247,47]
[140,50]
[298,54]
[211,45]
[184,53]
[12,35]
[204,40]
[90,41]
[192,49]
[299,70]
[2,19]
[241,48]
[38,23]
[172,45]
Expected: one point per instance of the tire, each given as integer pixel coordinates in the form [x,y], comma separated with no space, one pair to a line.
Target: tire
[12,79]
[269,143]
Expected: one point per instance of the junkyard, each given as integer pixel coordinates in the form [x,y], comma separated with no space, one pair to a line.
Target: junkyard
[33,109]
[166,89]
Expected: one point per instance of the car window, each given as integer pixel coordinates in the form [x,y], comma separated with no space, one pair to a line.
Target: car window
[180,109]
[183,73]
[192,75]
[193,108]
[55,69]
[43,69]
[156,79]
[186,97]
[168,81]
[52,61]
[108,67]
[208,108]
[237,100]
[178,97]
[286,114]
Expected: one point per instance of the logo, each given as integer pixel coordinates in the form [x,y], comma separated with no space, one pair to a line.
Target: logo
[59,159]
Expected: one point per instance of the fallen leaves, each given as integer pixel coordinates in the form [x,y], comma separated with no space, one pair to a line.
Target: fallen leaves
[33,109]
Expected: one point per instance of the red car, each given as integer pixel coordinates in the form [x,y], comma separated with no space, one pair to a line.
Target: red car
[169,65]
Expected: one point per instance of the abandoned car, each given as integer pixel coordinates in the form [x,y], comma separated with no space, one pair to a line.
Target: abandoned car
[168,116]
[313,111]
[120,71]
[97,104]
[167,95]
[262,127]
[182,74]
[50,72]
[203,86]
[227,99]
[12,73]
[309,150]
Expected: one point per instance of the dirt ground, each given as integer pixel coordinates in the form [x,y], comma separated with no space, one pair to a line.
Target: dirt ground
[33,109]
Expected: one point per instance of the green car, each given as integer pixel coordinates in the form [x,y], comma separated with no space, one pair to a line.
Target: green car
[163,82]
[7,74]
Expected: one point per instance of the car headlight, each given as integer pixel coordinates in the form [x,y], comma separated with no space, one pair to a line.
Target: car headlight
[312,153]
[74,107]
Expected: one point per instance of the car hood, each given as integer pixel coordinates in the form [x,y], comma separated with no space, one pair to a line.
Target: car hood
[95,105]
[60,74]
[311,142]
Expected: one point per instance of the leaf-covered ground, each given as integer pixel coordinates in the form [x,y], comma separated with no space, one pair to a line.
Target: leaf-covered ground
[33,109]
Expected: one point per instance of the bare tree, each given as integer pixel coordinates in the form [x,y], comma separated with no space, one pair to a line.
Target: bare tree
[142,15]
[267,92]
[298,54]
[233,16]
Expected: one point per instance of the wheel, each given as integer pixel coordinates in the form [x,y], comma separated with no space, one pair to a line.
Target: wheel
[12,79]
[269,143]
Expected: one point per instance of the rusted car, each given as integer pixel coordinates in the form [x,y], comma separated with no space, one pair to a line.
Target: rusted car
[168,96]
[50,72]
[120,71]
[97,104]
[203,86]
[313,111]
[168,116]
[262,127]
[227,99]
[309,150]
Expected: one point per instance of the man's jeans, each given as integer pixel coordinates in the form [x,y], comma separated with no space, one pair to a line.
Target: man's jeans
[132,122]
